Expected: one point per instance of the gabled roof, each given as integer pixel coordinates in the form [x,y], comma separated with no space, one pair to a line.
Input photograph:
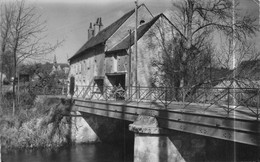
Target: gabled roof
[129,41]
[103,35]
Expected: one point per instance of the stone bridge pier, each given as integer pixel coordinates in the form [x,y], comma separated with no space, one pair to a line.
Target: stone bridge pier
[152,143]
[155,144]
[89,128]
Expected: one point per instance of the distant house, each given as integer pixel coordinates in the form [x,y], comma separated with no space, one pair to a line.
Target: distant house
[107,58]
[24,78]
[59,67]
[3,77]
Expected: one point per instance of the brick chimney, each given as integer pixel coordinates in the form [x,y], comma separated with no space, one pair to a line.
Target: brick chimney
[96,27]
[100,24]
[91,31]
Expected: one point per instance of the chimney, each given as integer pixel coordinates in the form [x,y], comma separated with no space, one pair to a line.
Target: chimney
[96,27]
[90,31]
[100,24]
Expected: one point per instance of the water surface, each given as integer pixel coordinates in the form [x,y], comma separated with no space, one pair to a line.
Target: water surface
[101,152]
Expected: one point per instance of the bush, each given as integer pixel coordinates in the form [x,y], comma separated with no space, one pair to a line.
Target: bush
[36,128]
[8,95]
[26,99]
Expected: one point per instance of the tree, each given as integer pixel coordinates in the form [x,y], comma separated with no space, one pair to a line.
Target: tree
[4,33]
[8,64]
[188,56]
[243,50]
[22,31]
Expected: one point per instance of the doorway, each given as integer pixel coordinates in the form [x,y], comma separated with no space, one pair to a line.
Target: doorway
[117,79]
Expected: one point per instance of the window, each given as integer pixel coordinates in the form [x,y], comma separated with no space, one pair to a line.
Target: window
[85,65]
[115,62]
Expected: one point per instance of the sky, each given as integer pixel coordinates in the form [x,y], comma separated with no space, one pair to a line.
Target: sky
[69,20]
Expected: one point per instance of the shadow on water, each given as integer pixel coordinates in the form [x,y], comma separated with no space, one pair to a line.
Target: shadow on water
[113,131]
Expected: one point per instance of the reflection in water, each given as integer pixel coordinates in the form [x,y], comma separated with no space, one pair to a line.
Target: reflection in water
[79,153]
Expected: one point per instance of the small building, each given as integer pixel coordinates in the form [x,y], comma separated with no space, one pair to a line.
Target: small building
[24,78]
[3,77]
[59,67]
[108,57]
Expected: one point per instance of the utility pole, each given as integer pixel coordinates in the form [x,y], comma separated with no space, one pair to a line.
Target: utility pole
[1,78]
[1,87]
[136,60]
[233,83]
[129,67]
[233,36]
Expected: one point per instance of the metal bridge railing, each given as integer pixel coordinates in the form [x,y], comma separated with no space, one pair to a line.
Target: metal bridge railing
[229,99]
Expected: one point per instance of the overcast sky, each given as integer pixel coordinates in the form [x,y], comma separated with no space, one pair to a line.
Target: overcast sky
[69,19]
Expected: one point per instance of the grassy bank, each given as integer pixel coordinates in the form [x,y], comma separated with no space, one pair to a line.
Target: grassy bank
[45,124]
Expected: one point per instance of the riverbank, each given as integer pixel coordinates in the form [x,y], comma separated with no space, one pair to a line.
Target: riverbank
[45,125]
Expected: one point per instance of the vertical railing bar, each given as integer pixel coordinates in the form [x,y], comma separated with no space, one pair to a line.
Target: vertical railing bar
[139,91]
[165,97]
[228,99]
[257,109]
[182,90]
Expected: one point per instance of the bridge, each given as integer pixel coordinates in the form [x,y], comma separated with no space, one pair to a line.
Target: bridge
[229,114]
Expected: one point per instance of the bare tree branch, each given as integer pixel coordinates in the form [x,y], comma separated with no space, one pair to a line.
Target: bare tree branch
[23,31]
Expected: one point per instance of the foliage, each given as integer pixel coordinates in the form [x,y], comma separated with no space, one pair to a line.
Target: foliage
[232,53]
[32,128]
[42,82]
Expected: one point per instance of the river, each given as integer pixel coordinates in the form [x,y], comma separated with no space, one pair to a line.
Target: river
[101,152]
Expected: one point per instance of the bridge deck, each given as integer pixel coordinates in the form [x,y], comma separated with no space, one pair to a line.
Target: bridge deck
[239,125]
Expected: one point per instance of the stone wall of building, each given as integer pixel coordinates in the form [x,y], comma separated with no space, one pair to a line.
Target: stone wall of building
[151,47]
[89,65]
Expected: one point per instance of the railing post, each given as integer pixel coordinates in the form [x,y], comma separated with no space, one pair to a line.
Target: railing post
[257,109]
[137,92]
[205,95]
[107,93]
[44,91]
[183,94]
[228,99]
[165,105]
